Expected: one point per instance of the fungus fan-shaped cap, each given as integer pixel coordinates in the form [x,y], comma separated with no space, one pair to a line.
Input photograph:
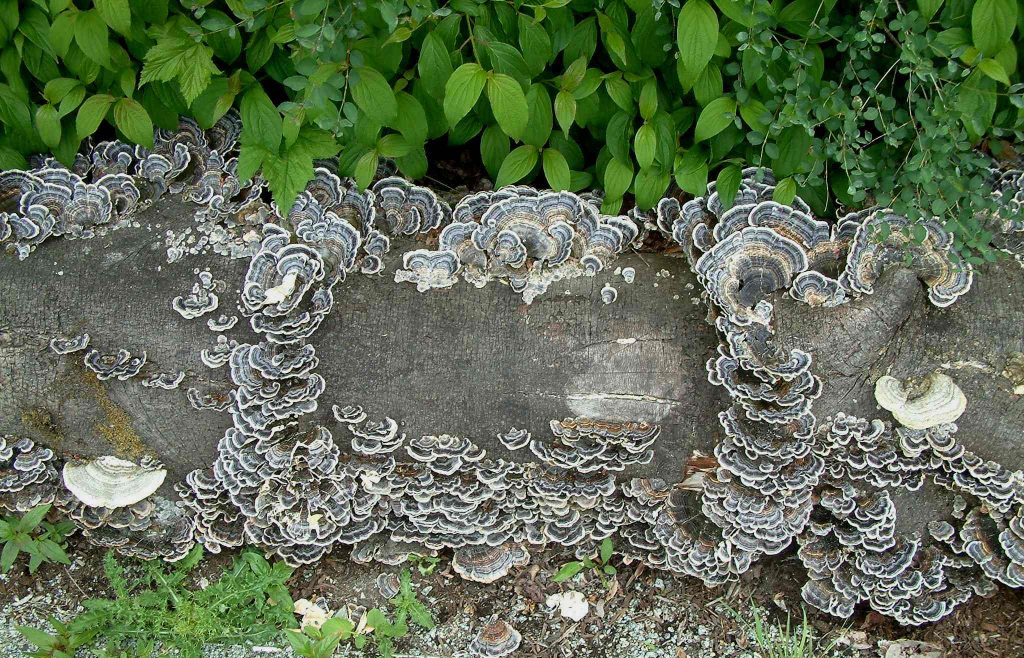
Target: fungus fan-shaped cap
[112,482]
[486,564]
[495,640]
[934,401]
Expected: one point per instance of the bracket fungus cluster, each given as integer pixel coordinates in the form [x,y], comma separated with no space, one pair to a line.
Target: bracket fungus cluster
[522,237]
[287,483]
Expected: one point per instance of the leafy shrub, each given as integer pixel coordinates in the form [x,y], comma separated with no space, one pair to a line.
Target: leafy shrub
[41,540]
[248,604]
[858,102]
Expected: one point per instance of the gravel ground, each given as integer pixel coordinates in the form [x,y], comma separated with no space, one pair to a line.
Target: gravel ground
[642,615]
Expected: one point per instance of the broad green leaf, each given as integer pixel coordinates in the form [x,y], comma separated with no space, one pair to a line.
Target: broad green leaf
[928,7]
[287,175]
[372,93]
[617,177]
[794,144]
[645,145]
[261,121]
[133,121]
[92,37]
[697,35]
[620,93]
[535,44]
[411,120]
[538,130]
[755,114]
[32,518]
[728,184]
[568,570]
[8,556]
[785,191]
[53,552]
[617,135]
[714,118]
[494,146]
[62,32]
[993,69]
[691,172]
[565,110]
[48,125]
[91,114]
[250,158]
[992,23]
[462,91]
[508,104]
[37,637]
[178,57]
[650,186]
[649,99]
[517,166]
[606,549]
[556,170]
[392,146]
[435,64]
[116,14]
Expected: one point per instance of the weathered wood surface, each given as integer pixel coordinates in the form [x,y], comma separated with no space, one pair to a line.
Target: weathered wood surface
[466,361]
[471,361]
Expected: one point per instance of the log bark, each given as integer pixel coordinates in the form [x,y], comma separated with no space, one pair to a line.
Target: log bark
[470,361]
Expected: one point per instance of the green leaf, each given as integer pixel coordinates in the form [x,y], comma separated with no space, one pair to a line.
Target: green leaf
[649,99]
[260,119]
[565,110]
[728,184]
[392,146]
[697,35]
[535,44]
[91,36]
[37,637]
[287,175]
[92,113]
[462,91]
[714,118]
[755,114]
[606,549]
[366,168]
[250,158]
[116,14]
[928,8]
[133,121]
[373,95]
[568,570]
[508,103]
[556,169]
[48,125]
[785,191]
[494,146]
[435,64]
[517,166]
[538,130]
[53,552]
[411,120]
[794,144]
[992,24]
[178,57]
[8,556]
[617,177]
[62,32]
[620,93]
[645,145]
[993,69]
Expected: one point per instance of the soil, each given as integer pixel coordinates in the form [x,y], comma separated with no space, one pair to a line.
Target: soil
[638,614]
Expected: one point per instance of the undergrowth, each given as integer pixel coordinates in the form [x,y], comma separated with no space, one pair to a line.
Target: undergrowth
[32,535]
[159,607]
[377,628]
